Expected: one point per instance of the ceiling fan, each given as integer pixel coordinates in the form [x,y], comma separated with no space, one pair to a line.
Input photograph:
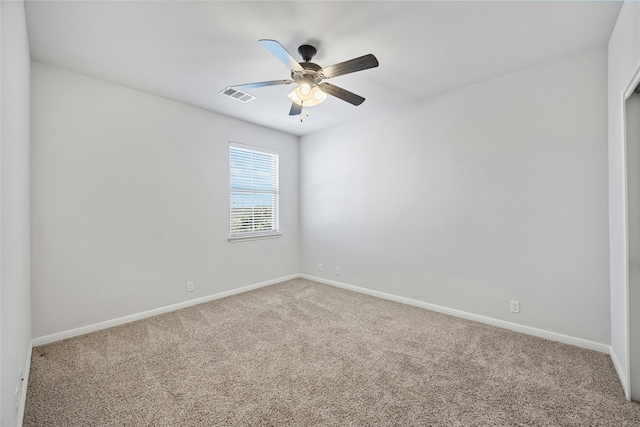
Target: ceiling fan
[312,89]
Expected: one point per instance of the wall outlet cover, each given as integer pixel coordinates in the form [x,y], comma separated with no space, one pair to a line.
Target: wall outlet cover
[514,306]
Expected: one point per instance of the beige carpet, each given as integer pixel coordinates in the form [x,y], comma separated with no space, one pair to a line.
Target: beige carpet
[301,353]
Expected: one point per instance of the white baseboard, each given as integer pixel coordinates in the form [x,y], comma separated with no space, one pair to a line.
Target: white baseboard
[138,316]
[622,376]
[554,336]
[529,330]
[25,383]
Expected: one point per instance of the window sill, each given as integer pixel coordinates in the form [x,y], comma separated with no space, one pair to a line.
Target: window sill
[248,237]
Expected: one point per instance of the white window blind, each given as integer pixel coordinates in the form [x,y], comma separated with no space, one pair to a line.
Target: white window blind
[253,191]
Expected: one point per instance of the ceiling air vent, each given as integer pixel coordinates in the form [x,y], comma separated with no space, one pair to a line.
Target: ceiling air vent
[237,94]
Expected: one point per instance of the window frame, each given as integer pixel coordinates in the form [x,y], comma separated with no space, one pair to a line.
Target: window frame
[274,192]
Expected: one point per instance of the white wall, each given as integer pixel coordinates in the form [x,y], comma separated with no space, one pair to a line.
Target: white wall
[490,193]
[130,201]
[15,308]
[624,61]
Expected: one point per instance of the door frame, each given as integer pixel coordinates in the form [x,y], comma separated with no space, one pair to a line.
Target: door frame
[633,84]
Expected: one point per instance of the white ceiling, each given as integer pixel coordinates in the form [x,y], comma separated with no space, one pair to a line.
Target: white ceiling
[191,50]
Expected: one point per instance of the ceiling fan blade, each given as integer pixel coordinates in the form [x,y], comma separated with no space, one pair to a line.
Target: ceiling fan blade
[338,92]
[351,66]
[281,53]
[261,84]
[296,109]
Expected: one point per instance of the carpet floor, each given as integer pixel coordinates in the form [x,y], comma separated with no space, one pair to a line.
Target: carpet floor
[300,353]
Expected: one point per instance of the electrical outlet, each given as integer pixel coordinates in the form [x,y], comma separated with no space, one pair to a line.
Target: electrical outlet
[319,267]
[337,271]
[514,306]
[190,286]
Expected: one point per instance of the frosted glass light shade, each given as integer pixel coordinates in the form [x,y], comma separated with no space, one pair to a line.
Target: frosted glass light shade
[313,97]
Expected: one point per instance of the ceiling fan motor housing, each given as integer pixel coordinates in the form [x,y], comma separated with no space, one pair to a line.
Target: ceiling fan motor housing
[310,72]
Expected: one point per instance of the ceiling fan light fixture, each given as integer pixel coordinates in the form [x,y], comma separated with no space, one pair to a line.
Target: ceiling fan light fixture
[305,90]
[311,99]
[318,95]
[293,96]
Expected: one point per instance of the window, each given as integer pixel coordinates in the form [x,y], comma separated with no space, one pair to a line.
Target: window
[253,192]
